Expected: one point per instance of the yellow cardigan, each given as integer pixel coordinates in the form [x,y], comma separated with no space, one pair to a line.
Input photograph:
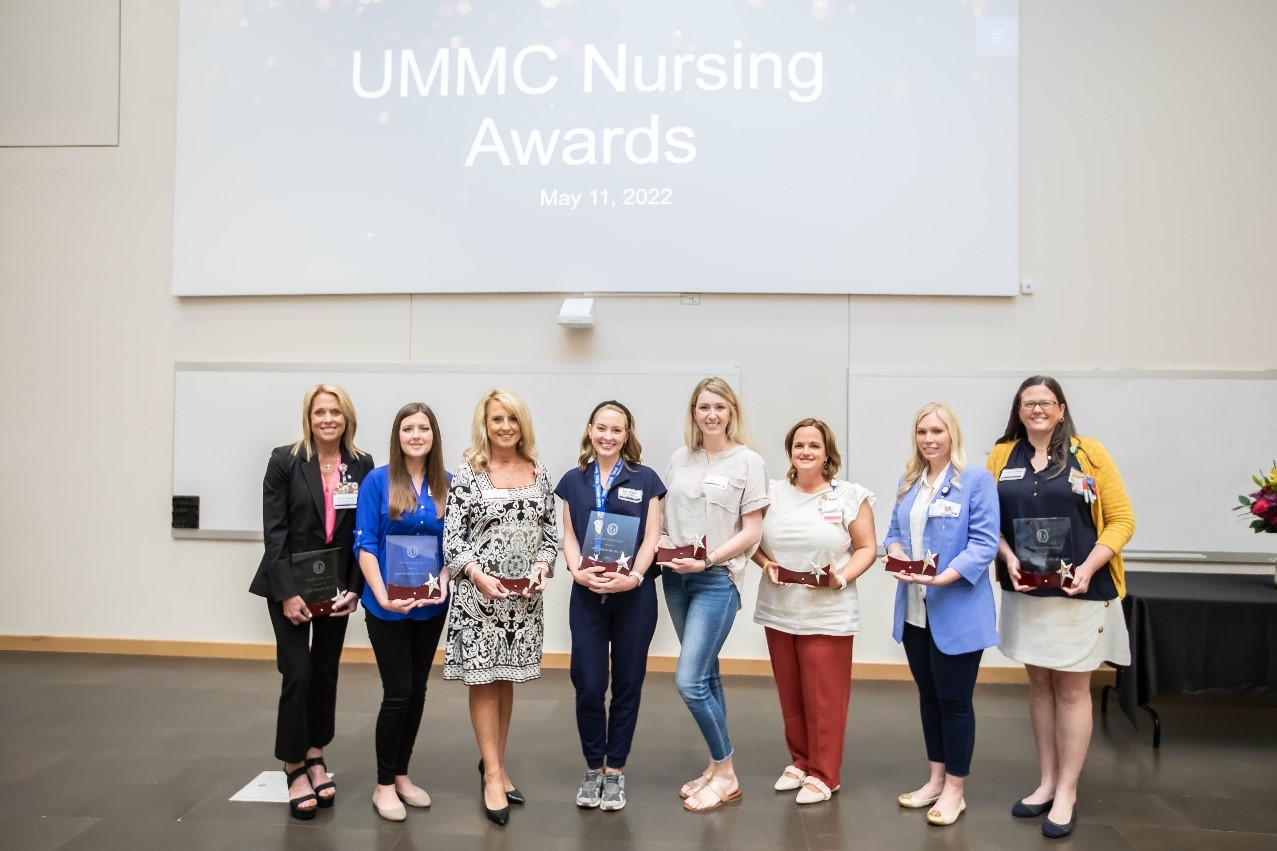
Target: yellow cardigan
[1111,511]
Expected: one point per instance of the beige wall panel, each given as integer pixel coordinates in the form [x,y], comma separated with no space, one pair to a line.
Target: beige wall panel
[1148,200]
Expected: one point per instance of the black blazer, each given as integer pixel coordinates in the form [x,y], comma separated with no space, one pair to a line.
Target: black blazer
[293,521]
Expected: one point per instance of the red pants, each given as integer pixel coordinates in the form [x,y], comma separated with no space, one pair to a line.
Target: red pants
[813,677]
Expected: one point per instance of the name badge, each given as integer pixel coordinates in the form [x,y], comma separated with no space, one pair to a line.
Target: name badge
[943,508]
[831,514]
[1011,474]
[716,481]
[346,495]
[629,494]
[495,493]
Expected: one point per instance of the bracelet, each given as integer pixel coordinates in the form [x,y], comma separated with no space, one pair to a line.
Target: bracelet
[639,577]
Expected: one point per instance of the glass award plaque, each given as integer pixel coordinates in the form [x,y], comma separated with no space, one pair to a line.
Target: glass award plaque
[1044,546]
[610,541]
[318,583]
[412,567]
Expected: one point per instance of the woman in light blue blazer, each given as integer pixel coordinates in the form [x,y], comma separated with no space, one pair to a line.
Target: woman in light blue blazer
[946,516]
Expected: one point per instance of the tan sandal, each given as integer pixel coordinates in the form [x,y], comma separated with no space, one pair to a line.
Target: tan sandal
[688,790]
[719,799]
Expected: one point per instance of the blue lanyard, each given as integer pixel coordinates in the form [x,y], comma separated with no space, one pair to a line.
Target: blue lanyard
[600,497]
[600,490]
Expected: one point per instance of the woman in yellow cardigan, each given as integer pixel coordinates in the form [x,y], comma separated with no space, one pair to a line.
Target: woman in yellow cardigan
[1065,519]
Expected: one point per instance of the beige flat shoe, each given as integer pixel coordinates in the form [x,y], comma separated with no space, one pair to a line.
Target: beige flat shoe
[938,818]
[790,779]
[415,800]
[908,800]
[395,813]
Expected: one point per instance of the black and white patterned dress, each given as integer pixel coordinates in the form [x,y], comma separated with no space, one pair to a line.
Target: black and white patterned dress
[504,531]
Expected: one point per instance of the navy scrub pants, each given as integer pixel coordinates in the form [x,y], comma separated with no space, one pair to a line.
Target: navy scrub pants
[618,627]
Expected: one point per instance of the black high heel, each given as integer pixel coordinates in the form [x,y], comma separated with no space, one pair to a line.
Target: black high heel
[324,802]
[295,808]
[499,817]
[514,796]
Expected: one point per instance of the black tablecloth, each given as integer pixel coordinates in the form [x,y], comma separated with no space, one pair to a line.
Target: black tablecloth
[1199,633]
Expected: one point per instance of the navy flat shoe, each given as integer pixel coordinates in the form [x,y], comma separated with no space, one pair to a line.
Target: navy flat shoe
[1022,810]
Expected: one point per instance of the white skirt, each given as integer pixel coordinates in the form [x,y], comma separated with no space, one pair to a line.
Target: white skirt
[1062,633]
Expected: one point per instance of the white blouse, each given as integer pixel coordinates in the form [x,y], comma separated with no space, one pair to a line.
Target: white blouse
[916,595]
[798,535]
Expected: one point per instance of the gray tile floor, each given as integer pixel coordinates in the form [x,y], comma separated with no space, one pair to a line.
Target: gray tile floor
[114,752]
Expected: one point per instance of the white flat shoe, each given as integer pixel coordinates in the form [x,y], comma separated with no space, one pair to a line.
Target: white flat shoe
[908,800]
[814,791]
[937,817]
[790,779]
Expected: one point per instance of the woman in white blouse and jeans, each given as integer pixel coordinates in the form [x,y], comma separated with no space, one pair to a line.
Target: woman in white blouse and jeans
[714,508]
[818,537]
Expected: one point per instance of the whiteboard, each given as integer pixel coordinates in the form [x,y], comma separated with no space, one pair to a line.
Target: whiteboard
[228,416]
[1186,443]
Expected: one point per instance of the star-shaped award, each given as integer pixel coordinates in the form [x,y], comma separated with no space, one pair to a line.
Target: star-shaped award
[817,570]
[1066,571]
[432,587]
[929,561]
[622,563]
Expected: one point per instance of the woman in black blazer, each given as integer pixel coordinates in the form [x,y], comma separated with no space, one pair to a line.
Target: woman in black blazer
[308,505]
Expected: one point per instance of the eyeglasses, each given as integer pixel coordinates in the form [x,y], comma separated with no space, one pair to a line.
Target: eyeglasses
[1045,406]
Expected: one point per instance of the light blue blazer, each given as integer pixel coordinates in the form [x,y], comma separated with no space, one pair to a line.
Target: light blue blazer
[960,614]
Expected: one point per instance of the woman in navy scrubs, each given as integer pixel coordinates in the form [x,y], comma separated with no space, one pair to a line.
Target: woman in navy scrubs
[613,608]
[400,521]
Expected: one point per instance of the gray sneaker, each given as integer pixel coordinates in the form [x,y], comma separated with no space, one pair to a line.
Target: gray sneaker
[613,791]
[591,786]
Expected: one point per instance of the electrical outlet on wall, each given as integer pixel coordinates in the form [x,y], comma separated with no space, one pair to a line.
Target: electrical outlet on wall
[1027,288]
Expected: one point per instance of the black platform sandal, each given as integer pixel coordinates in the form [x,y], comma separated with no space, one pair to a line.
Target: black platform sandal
[295,808]
[324,802]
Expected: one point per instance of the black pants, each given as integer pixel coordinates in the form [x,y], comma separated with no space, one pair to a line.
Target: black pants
[618,626]
[405,650]
[308,656]
[945,687]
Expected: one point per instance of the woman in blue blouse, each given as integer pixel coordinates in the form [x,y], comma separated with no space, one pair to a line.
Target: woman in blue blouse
[399,542]
[946,515]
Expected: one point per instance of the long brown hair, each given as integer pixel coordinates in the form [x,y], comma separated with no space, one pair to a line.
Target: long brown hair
[1061,439]
[402,496]
[631,450]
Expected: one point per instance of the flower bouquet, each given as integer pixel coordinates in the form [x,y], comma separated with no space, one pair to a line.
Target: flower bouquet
[1262,504]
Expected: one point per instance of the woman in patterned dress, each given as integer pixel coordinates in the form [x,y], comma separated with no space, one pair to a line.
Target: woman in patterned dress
[500,541]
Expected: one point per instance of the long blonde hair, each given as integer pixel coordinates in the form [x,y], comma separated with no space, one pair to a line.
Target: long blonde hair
[737,430]
[917,464]
[480,450]
[307,441]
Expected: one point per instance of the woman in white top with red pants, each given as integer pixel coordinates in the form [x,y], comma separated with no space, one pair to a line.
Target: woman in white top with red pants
[818,537]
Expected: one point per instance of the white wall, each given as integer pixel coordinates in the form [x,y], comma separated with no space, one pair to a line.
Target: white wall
[1148,204]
